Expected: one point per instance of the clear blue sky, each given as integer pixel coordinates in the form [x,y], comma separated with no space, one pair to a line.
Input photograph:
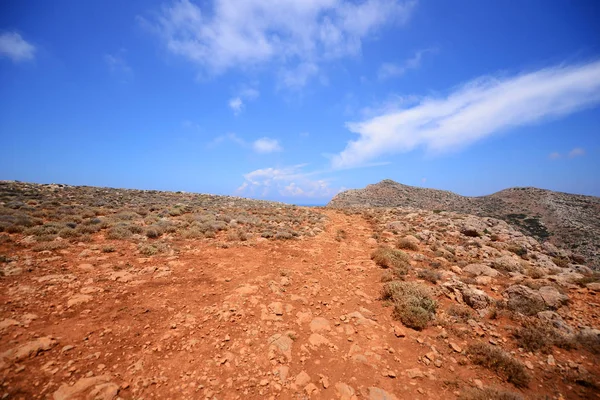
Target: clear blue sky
[295,100]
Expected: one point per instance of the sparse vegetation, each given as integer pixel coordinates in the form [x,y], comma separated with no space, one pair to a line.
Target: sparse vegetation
[412,301]
[500,362]
[407,244]
[386,257]
[489,394]
[429,275]
[534,335]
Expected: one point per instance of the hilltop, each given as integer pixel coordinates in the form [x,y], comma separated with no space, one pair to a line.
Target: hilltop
[569,221]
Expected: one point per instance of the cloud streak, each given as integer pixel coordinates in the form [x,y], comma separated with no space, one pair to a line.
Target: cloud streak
[391,70]
[472,112]
[295,35]
[13,46]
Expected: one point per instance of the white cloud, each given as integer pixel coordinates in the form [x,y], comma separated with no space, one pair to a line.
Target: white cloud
[266,145]
[390,70]
[296,35]
[13,46]
[287,181]
[237,103]
[473,111]
[576,152]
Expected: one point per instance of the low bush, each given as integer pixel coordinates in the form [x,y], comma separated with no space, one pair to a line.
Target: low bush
[386,257]
[499,361]
[534,335]
[412,303]
[463,313]
[489,394]
[429,275]
[407,244]
[118,232]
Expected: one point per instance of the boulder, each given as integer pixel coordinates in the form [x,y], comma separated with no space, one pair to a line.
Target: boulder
[552,297]
[480,269]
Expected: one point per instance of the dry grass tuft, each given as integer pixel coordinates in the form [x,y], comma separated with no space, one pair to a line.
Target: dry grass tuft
[489,394]
[500,362]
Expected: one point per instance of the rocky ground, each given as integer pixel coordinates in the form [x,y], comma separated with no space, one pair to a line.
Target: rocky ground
[568,221]
[318,314]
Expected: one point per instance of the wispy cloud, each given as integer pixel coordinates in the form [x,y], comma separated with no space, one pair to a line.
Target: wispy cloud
[294,35]
[554,155]
[228,137]
[13,46]
[117,65]
[263,145]
[576,152]
[473,111]
[289,181]
[391,70]
[237,103]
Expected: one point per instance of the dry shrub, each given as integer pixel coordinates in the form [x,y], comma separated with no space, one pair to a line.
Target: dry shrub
[118,232]
[489,394]
[152,249]
[153,232]
[526,306]
[407,244]
[500,362]
[237,235]
[192,233]
[535,335]
[412,303]
[386,257]
[284,235]
[463,313]
[429,275]
[341,235]
[50,246]
[561,262]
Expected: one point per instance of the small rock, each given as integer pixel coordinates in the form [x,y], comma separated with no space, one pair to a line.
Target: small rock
[319,324]
[302,379]
[276,308]
[455,347]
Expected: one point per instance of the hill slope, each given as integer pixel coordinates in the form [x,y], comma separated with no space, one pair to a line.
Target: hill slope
[569,221]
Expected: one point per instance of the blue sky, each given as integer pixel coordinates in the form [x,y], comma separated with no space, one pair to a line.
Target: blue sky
[296,100]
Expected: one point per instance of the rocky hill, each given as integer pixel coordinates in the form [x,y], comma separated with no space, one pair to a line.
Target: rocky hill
[568,221]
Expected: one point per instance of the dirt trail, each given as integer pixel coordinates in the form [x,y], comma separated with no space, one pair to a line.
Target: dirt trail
[266,319]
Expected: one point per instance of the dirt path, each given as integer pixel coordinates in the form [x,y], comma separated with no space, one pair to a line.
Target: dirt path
[265,319]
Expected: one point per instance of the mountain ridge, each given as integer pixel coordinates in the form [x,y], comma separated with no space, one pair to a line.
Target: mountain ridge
[569,221]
